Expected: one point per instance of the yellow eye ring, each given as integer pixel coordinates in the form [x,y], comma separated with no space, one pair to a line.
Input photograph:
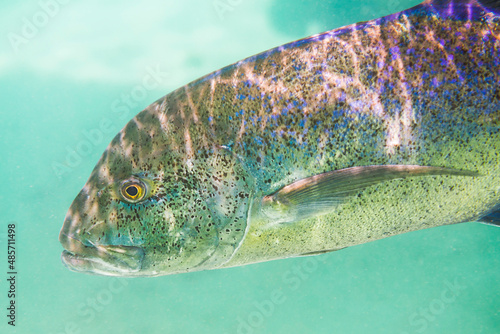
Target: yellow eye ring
[133,190]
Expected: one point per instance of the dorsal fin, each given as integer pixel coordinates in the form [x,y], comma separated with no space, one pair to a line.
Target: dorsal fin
[490,4]
[487,4]
[463,10]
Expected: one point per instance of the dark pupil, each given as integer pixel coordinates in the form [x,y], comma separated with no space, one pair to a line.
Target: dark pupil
[132,191]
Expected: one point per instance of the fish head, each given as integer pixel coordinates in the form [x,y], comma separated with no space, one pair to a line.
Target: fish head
[150,208]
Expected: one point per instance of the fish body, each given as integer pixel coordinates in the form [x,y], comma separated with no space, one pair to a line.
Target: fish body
[353,135]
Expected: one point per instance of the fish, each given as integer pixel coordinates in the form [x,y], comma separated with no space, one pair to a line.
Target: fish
[349,136]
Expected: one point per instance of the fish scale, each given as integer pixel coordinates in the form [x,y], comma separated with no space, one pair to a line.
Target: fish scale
[416,93]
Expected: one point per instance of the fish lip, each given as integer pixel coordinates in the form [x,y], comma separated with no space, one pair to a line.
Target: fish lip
[72,261]
[109,260]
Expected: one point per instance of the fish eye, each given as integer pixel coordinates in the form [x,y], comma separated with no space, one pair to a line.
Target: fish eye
[133,190]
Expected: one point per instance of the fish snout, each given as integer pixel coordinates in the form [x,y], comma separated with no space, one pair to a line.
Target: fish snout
[80,254]
[69,235]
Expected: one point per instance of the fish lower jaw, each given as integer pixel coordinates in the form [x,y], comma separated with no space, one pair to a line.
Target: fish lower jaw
[105,260]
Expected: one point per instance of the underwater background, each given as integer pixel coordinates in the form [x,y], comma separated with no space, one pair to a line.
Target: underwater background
[71,76]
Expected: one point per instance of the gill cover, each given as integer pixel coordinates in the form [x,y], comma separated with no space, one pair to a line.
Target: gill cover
[205,214]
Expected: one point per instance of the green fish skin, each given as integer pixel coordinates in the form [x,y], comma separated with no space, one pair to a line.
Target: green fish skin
[357,134]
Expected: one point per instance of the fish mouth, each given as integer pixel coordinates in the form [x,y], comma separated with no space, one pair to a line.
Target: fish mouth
[109,260]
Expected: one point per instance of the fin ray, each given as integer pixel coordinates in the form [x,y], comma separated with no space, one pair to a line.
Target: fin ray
[492,218]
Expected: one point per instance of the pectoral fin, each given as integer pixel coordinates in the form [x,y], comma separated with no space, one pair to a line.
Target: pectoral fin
[491,219]
[322,193]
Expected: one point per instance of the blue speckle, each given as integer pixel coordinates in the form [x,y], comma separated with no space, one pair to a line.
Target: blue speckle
[394,52]
[435,82]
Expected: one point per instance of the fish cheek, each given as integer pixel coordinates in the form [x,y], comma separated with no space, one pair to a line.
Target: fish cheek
[180,234]
[127,224]
[204,215]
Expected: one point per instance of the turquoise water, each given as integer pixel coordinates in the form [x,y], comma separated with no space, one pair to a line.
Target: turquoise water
[70,82]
